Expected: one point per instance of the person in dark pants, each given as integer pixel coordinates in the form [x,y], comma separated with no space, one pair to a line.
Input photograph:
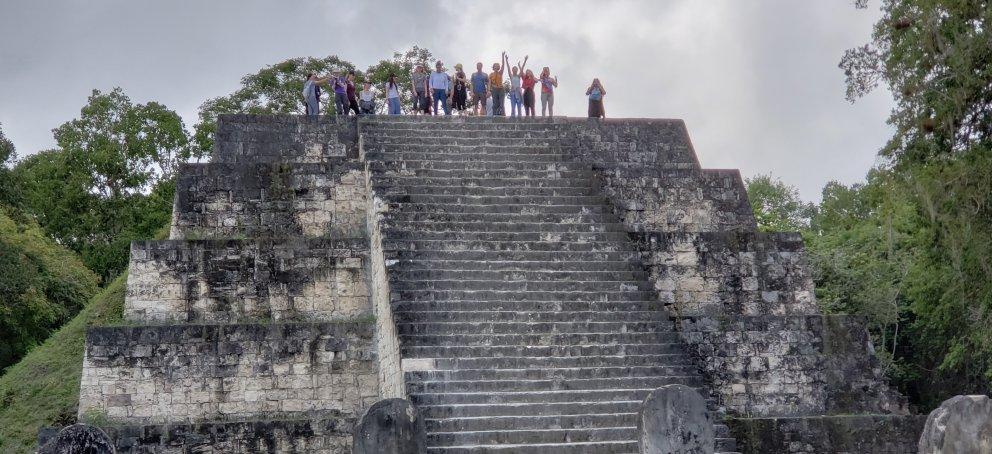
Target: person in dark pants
[340,95]
[460,98]
[596,92]
[352,97]
[496,86]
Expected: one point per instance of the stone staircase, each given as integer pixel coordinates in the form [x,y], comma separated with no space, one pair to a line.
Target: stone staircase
[526,319]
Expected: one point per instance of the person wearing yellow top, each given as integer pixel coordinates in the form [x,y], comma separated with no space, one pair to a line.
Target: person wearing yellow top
[496,86]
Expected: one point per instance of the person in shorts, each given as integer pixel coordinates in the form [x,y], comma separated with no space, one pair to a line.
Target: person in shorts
[480,89]
[548,85]
[421,91]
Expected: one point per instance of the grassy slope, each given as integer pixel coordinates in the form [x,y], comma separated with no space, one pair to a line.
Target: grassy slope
[43,388]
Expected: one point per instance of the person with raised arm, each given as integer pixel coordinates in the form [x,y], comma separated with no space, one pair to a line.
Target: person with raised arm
[527,82]
[496,86]
[311,93]
[548,85]
[340,94]
[596,92]
[516,93]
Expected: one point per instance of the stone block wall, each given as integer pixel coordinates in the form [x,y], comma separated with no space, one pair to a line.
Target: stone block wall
[730,273]
[628,143]
[210,373]
[218,200]
[874,434]
[790,365]
[329,434]
[251,139]
[658,200]
[236,281]
[392,383]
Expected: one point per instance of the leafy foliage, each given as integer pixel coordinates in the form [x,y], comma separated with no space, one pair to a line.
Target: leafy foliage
[935,58]
[275,89]
[42,285]
[777,206]
[43,388]
[110,181]
[9,190]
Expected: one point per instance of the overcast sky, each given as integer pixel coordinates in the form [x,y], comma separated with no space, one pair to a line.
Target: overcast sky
[755,80]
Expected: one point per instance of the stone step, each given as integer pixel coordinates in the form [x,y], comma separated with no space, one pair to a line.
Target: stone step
[580,421]
[502,265]
[434,351]
[551,373]
[561,237]
[537,286]
[460,123]
[559,306]
[492,180]
[531,436]
[534,156]
[520,295]
[663,335]
[394,192]
[477,165]
[507,246]
[529,327]
[535,201]
[373,134]
[518,362]
[497,175]
[452,141]
[514,148]
[517,276]
[599,447]
[491,226]
[527,409]
[518,256]
[528,316]
[442,219]
[451,392]
[552,207]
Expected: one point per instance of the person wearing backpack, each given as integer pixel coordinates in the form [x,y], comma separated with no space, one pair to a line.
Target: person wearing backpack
[596,92]
[311,94]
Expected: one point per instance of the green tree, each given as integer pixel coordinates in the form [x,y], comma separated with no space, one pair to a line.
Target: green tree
[402,65]
[42,285]
[110,181]
[9,189]
[274,89]
[935,58]
[777,206]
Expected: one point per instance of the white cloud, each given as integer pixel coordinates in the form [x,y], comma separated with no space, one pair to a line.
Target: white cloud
[755,81]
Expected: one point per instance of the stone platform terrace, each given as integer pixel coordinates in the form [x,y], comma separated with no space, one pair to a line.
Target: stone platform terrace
[525,283]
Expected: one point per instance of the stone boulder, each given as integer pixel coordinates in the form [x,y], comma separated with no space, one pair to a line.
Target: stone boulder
[674,420]
[390,426]
[960,425]
[79,439]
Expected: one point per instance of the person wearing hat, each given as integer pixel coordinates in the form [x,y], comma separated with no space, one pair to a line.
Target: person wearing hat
[460,97]
[441,88]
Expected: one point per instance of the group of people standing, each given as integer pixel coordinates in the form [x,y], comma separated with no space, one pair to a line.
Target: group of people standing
[484,93]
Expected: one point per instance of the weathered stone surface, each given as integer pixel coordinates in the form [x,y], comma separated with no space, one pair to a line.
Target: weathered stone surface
[324,433]
[791,365]
[390,426]
[284,138]
[223,200]
[196,373]
[674,420]
[78,439]
[236,281]
[842,434]
[961,424]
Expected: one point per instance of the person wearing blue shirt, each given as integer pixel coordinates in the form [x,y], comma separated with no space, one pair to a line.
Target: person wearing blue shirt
[480,89]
